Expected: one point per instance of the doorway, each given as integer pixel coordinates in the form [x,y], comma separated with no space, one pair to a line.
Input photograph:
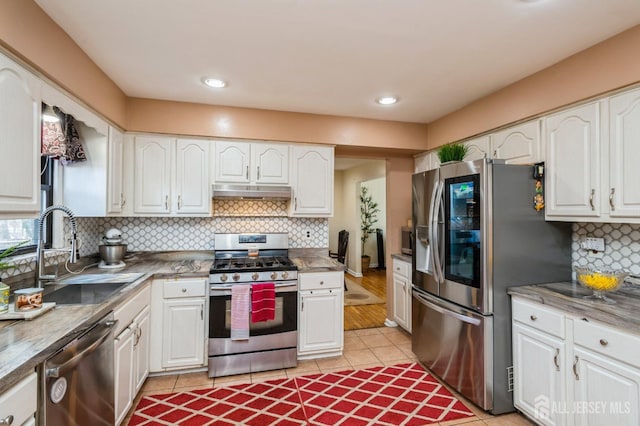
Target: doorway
[351,175]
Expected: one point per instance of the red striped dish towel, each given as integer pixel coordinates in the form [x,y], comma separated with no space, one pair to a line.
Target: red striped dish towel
[240,312]
[263,302]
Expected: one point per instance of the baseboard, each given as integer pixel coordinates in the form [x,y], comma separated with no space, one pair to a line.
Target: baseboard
[354,273]
[390,323]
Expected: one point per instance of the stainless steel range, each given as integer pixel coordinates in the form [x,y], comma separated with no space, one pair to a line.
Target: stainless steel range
[244,259]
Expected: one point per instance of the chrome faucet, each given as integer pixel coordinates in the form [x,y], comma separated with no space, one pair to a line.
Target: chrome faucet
[40,275]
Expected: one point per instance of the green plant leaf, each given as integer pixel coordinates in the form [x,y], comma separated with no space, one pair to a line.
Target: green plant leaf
[8,252]
[368,212]
[452,152]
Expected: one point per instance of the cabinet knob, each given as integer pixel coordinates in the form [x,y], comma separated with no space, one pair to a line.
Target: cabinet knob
[604,342]
[321,282]
[184,290]
[533,317]
[7,420]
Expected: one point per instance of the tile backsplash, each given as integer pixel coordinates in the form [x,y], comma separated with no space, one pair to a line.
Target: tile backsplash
[621,242]
[194,233]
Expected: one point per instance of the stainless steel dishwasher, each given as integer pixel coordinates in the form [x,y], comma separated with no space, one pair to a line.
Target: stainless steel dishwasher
[77,386]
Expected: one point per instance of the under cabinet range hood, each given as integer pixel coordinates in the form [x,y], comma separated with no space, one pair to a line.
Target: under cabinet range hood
[251,192]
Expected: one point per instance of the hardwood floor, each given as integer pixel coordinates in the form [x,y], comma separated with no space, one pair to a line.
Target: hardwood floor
[368,316]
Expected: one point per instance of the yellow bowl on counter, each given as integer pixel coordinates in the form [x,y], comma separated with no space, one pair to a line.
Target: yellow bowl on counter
[600,281]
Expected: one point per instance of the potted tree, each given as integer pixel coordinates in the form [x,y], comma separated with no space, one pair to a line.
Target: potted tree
[368,211]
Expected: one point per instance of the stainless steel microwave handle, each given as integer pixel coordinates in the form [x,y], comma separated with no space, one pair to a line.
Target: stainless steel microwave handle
[445,311]
[97,337]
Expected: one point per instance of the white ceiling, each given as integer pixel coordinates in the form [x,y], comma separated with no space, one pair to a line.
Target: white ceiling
[334,56]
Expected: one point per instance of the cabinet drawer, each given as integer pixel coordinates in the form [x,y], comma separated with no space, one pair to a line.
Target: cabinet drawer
[401,267]
[539,317]
[607,341]
[184,288]
[21,400]
[320,280]
[126,312]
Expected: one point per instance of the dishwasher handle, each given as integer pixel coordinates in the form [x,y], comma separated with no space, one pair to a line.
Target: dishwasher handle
[445,311]
[94,339]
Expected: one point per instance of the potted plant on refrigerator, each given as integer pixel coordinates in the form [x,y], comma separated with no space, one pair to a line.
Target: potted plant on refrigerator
[452,152]
[368,211]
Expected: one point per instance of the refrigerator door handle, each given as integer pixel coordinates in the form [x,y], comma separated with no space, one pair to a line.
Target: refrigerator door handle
[445,311]
[436,206]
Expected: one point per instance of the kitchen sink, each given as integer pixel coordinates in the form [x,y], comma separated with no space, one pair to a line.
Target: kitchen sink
[100,279]
[87,289]
[83,294]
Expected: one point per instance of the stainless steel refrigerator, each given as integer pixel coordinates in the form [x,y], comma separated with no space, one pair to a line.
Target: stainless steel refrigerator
[476,233]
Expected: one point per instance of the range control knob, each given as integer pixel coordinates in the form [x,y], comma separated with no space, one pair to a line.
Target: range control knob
[255,276]
[274,275]
[224,278]
[285,275]
[236,277]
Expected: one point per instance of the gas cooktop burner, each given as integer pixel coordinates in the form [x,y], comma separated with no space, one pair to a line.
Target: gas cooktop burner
[251,263]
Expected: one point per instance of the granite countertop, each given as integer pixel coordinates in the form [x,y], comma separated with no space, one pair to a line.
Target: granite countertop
[568,297]
[317,264]
[314,260]
[25,344]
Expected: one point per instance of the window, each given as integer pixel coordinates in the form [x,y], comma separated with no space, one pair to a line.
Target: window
[13,231]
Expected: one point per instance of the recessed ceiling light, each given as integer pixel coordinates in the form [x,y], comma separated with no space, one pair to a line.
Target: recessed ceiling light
[387,100]
[214,82]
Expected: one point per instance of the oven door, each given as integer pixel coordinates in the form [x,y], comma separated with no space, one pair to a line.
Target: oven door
[286,313]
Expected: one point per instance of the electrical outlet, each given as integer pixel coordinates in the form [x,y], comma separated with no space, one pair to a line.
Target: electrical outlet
[595,254]
[594,247]
[593,243]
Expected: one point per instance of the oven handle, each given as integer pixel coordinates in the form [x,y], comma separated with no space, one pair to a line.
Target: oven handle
[225,289]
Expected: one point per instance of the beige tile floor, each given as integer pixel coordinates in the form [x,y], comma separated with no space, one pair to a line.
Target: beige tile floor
[362,349]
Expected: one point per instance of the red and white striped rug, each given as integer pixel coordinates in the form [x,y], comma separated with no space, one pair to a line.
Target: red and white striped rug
[404,394]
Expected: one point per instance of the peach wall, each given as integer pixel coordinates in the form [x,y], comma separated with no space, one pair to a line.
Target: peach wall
[29,33]
[147,115]
[398,173]
[609,65]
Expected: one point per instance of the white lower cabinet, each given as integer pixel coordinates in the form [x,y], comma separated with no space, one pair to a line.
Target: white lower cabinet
[179,318]
[573,371]
[123,373]
[540,378]
[183,333]
[18,405]
[321,321]
[131,350]
[402,293]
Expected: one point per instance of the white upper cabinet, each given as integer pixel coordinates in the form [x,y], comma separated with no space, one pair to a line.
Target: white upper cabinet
[518,144]
[19,141]
[478,148]
[574,153]
[255,163]
[115,192]
[152,174]
[270,163]
[192,177]
[426,161]
[624,154]
[591,168]
[232,162]
[171,176]
[312,180]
